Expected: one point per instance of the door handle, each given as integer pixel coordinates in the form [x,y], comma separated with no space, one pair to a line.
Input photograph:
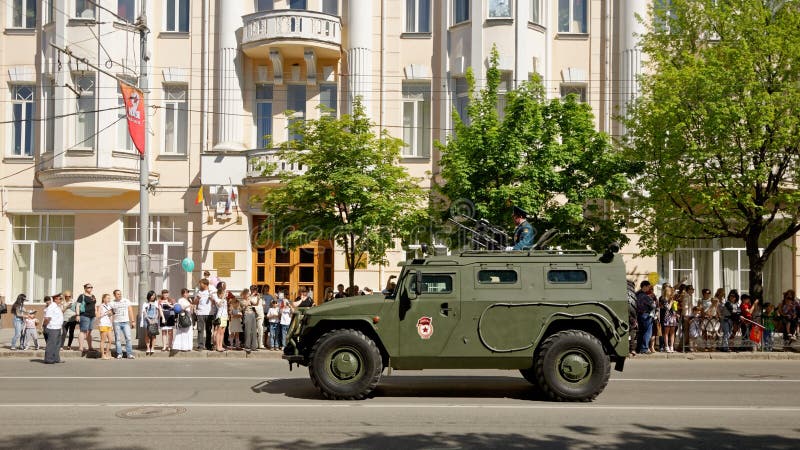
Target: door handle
[444,309]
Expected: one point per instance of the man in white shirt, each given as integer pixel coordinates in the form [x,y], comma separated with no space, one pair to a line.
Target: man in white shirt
[123,321]
[202,308]
[53,321]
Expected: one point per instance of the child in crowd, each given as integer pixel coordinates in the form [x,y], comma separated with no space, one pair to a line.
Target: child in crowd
[274,317]
[695,327]
[30,338]
[235,324]
[106,314]
[770,319]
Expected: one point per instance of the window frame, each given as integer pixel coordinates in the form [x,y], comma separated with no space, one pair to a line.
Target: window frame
[91,135]
[42,238]
[468,13]
[297,114]
[419,101]
[176,117]
[122,124]
[450,276]
[571,18]
[514,270]
[415,24]
[489,10]
[21,12]
[587,284]
[335,104]
[135,7]
[258,7]
[535,7]
[87,6]
[27,111]
[176,7]
[460,97]
[161,226]
[291,6]
[326,6]
[260,139]
[583,96]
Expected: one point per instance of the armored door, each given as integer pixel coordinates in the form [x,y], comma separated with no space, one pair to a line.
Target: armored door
[429,320]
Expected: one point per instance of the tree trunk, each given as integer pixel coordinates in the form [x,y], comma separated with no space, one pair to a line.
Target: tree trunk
[757,262]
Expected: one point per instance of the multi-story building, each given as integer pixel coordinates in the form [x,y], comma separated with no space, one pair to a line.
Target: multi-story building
[222,75]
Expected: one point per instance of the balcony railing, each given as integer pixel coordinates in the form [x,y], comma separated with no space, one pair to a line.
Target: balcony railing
[266,26]
[258,160]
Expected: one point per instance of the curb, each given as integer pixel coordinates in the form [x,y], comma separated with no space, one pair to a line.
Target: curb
[67,354]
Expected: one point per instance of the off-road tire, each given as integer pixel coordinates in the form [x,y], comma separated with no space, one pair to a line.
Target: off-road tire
[571,366]
[345,365]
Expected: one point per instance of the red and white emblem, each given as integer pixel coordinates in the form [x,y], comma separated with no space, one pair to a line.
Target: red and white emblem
[425,327]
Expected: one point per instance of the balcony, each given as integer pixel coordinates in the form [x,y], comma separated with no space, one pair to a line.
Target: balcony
[292,31]
[261,158]
[92,181]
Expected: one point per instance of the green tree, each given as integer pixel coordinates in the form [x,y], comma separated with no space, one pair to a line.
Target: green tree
[717,127]
[544,156]
[354,191]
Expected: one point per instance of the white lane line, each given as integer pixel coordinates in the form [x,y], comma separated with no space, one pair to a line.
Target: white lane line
[138,378]
[636,380]
[416,406]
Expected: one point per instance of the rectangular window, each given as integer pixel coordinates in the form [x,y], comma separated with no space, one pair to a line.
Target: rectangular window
[127,10]
[263,115]
[87,112]
[296,102]
[22,120]
[24,14]
[49,114]
[297,4]
[51,11]
[567,276]
[178,16]
[330,7]
[460,11]
[328,99]
[167,248]
[500,9]
[84,9]
[42,254]
[437,284]
[536,12]
[506,84]
[461,98]
[572,16]
[265,5]
[571,89]
[176,121]
[418,16]
[497,276]
[416,119]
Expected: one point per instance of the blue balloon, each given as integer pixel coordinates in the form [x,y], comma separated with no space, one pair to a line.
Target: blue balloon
[177,308]
[187,264]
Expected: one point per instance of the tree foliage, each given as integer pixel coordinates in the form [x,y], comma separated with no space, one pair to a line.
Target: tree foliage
[353,191]
[717,126]
[544,156]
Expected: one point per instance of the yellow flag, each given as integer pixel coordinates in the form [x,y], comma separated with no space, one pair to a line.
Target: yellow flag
[199,198]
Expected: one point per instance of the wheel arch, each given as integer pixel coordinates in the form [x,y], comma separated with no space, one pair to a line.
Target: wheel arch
[324,326]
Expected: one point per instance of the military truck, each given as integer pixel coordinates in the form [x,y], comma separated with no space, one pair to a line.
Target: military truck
[559,317]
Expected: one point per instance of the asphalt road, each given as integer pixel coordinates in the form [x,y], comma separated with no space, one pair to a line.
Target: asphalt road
[230,404]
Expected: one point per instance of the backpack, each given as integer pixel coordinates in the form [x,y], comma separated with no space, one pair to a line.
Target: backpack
[184,321]
[152,312]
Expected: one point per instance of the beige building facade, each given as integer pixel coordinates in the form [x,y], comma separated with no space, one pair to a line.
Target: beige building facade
[222,75]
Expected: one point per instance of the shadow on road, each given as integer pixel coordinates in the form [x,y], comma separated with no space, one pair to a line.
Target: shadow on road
[416,386]
[84,439]
[641,437]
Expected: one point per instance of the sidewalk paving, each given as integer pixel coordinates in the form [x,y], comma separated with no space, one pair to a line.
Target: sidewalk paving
[788,353]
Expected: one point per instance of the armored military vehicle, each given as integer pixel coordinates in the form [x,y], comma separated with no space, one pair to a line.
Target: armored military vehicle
[559,317]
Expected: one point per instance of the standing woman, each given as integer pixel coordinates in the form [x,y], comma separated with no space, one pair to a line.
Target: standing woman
[183,334]
[219,298]
[250,320]
[235,323]
[70,321]
[287,308]
[669,320]
[150,318]
[105,312]
[85,314]
[18,311]
[258,306]
[168,320]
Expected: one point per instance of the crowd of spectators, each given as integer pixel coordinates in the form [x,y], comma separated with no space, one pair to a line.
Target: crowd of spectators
[676,320]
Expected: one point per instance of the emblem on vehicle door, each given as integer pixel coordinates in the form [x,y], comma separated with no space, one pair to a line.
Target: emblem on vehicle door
[425,327]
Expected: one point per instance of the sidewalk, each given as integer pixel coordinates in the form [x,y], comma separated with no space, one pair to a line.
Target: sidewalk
[788,353]
[7,333]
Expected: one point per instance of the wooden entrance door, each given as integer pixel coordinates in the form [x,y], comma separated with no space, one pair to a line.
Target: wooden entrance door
[309,266]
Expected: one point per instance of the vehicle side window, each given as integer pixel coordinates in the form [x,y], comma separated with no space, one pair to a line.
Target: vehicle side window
[497,276]
[435,284]
[567,276]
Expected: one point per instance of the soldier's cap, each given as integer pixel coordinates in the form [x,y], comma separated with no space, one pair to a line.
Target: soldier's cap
[519,212]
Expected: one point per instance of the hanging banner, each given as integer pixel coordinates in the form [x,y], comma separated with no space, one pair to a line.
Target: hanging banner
[134,111]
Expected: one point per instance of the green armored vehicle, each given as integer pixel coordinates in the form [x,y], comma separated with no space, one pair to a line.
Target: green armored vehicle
[560,318]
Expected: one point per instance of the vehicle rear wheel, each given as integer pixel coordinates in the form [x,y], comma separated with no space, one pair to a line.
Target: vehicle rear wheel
[572,366]
[345,365]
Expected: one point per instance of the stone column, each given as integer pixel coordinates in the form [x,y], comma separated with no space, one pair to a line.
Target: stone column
[359,53]
[229,77]
[631,58]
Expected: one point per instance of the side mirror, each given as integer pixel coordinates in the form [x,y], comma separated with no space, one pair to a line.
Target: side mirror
[418,284]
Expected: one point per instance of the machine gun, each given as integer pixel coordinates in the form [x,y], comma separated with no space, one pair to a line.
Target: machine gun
[482,233]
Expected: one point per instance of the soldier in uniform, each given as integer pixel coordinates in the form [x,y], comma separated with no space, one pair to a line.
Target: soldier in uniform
[523,234]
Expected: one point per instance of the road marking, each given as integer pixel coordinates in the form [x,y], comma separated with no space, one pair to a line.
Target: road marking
[139,378]
[705,380]
[585,407]
[636,380]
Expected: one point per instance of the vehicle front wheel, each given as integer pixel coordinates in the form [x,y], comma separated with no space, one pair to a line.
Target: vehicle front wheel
[345,365]
[572,366]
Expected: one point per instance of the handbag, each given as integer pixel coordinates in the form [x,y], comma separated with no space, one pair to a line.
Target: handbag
[152,329]
[184,321]
[69,314]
